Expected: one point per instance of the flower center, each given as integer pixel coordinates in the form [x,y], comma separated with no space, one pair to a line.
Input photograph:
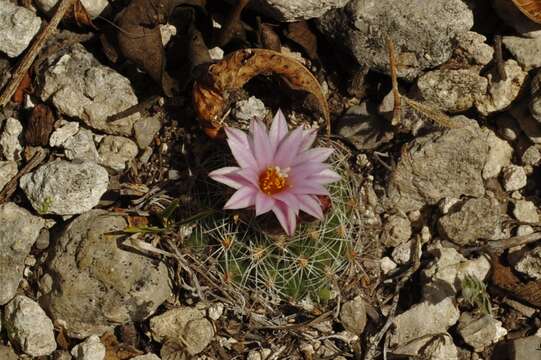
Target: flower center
[273,180]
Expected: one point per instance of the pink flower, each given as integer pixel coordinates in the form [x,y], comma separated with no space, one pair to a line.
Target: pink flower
[278,170]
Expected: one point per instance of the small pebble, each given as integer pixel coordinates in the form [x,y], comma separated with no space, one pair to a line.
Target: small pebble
[513,177]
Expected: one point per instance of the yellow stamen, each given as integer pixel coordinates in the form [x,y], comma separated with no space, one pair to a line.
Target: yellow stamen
[273,180]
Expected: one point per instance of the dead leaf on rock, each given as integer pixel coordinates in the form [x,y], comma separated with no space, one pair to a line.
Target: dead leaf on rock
[210,93]
[114,350]
[79,14]
[22,89]
[300,33]
[39,126]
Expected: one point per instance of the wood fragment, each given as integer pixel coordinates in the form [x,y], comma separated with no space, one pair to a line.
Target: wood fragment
[32,52]
[499,57]
[11,186]
[396,93]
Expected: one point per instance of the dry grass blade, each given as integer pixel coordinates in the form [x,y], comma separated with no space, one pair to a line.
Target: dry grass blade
[396,93]
[432,113]
[530,8]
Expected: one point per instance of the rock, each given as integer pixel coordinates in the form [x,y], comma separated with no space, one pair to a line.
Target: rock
[363,127]
[7,353]
[414,327]
[501,93]
[81,146]
[116,152]
[446,204]
[524,230]
[499,155]
[535,92]
[513,178]
[8,169]
[525,211]
[148,356]
[512,16]
[9,140]
[5,71]
[90,349]
[443,349]
[508,127]
[216,53]
[402,253]
[93,7]
[288,11]
[524,50]
[79,86]
[396,231]
[63,133]
[353,315]
[530,263]
[98,285]
[526,120]
[431,169]
[422,30]
[480,333]
[65,188]
[28,327]
[19,229]
[62,355]
[18,26]
[452,90]
[387,265]
[187,323]
[473,48]
[215,311]
[477,218]
[525,348]
[531,156]
[247,110]
[145,129]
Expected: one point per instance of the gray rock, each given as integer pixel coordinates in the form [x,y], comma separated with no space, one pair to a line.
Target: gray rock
[524,230]
[8,169]
[115,152]
[7,353]
[19,229]
[65,188]
[187,323]
[441,349]
[423,31]
[5,71]
[90,349]
[498,157]
[363,127]
[396,231]
[480,333]
[18,26]
[145,129]
[96,284]
[526,120]
[531,156]
[66,130]
[472,46]
[387,265]
[513,177]
[524,50]
[79,86]
[452,90]
[62,355]
[431,168]
[353,315]
[147,357]
[28,327]
[9,140]
[402,253]
[287,10]
[476,219]
[530,263]
[525,211]
[508,127]
[501,93]
[414,327]
[247,110]
[81,146]
[93,7]
[525,348]
[512,16]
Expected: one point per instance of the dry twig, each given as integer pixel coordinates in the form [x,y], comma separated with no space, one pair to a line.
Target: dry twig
[11,186]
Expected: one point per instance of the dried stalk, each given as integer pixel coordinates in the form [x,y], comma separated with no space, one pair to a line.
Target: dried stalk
[11,186]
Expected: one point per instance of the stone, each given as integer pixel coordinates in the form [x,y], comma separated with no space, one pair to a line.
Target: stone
[508,127]
[362,126]
[90,349]
[530,263]
[535,92]
[7,353]
[387,265]
[423,31]
[148,356]
[525,348]
[396,231]
[81,146]
[402,253]
[145,129]
[18,26]
[452,90]
[9,140]
[501,93]
[525,211]
[167,31]
[499,155]
[80,87]
[525,230]
[65,188]
[19,230]
[473,48]
[413,328]
[524,50]
[526,121]
[116,152]
[215,311]
[513,177]
[431,169]
[288,11]
[187,323]
[93,7]
[8,169]
[5,71]
[96,283]
[477,218]
[531,156]
[62,355]
[442,349]
[514,17]
[353,315]
[65,130]
[247,110]
[446,204]
[480,333]
[28,327]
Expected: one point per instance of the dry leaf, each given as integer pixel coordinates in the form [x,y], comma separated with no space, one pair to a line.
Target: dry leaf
[135,221]
[300,33]
[530,8]
[269,38]
[210,93]
[39,126]
[80,16]
[115,350]
[22,89]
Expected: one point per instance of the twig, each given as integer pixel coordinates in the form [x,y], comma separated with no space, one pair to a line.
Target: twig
[506,243]
[10,187]
[35,48]
[375,340]
[293,326]
[499,57]
[137,108]
[396,93]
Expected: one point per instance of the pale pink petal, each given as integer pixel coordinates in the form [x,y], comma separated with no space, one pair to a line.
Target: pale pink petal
[308,188]
[308,138]
[250,175]
[310,205]
[286,217]
[240,147]
[288,149]
[278,130]
[262,145]
[325,177]
[242,198]
[263,204]
[319,154]
[302,171]
[228,176]
[289,199]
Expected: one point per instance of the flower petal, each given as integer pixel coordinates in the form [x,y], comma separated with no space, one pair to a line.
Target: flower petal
[309,189]
[278,130]
[250,175]
[288,149]
[263,204]
[286,217]
[308,138]
[310,205]
[325,177]
[301,172]
[289,199]
[262,144]
[228,176]
[319,154]
[242,198]
[240,147]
